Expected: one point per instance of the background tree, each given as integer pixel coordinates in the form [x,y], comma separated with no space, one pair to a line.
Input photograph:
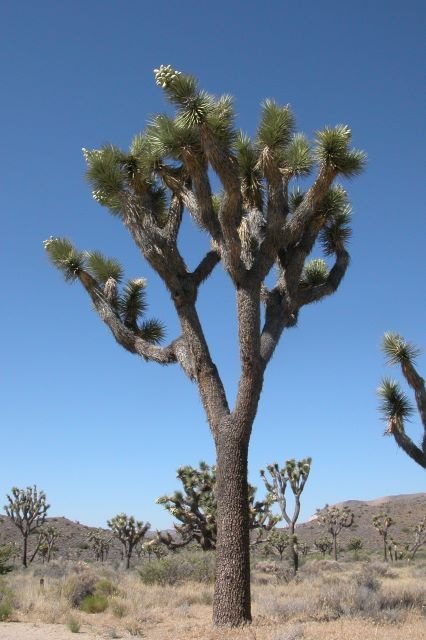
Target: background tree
[382,522]
[27,508]
[45,543]
[100,543]
[419,537]
[295,474]
[334,520]
[324,545]
[196,509]
[395,406]
[355,545]
[129,532]
[256,222]
[278,541]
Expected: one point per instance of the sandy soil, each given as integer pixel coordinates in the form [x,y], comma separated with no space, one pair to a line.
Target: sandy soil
[337,630]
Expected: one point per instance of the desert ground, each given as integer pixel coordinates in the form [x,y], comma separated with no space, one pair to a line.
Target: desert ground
[349,600]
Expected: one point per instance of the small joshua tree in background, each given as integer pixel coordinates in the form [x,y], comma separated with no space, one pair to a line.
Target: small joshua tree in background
[27,509]
[419,537]
[335,519]
[395,406]
[100,544]
[295,474]
[355,545]
[46,543]
[278,541]
[129,532]
[324,545]
[196,509]
[382,522]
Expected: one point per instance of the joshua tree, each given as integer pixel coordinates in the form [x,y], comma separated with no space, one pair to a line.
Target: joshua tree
[27,509]
[335,519]
[324,545]
[419,537]
[100,544]
[355,545]
[395,406]
[295,474]
[382,522]
[196,509]
[46,543]
[255,223]
[129,532]
[278,541]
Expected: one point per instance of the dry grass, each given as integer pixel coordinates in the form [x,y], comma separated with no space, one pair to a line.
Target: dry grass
[326,601]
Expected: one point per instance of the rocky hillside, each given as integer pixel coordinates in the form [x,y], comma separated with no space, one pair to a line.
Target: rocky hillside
[406,511]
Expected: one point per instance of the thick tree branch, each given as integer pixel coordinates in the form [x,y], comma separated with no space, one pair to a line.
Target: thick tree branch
[125,336]
[307,295]
[206,266]
[408,446]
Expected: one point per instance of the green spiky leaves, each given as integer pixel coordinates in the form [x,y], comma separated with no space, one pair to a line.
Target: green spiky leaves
[170,138]
[130,305]
[195,107]
[251,177]
[398,350]
[314,273]
[105,175]
[102,269]
[338,214]
[395,406]
[65,257]
[333,150]
[298,158]
[276,127]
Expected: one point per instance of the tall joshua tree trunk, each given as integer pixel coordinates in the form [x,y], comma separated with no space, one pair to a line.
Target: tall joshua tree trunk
[253,225]
[232,585]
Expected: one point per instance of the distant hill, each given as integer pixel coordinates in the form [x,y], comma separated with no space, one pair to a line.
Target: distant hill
[406,510]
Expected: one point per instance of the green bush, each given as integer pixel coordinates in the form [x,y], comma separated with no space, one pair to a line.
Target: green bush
[183,567]
[94,604]
[5,555]
[73,625]
[105,587]
[5,610]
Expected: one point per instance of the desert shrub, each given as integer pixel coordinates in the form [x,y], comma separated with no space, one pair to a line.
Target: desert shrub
[78,587]
[5,555]
[118,607]
[5,610]
[284,608]
[52,569]
[197,567]
[294,633]
[95,603]
[105,587]
[73,625]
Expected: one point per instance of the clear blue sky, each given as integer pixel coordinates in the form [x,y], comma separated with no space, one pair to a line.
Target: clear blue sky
[101,431]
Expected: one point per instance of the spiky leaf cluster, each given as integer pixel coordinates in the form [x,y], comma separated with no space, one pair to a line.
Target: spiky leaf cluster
[64,257]
[129,303]
[337,213]
[333,150]
[395,405]
[314,273]
[398,350]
